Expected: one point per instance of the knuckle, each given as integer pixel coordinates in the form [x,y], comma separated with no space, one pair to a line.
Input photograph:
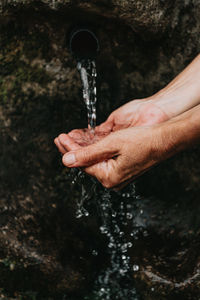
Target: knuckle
[61,136]
[83,156]
[88,161]
[74,132]
[87,155]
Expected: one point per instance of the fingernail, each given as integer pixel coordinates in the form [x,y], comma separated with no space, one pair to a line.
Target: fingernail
[69,159]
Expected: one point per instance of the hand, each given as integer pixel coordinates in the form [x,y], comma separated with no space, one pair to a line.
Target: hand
[76,139]
[124,147]
[117,158]
[135,113]
[179,96]
[125,154]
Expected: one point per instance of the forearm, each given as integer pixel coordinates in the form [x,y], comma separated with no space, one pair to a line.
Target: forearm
[180,132]
[182,93]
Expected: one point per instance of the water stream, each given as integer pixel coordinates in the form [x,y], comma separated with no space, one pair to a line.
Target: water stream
[116,211]
[87,69]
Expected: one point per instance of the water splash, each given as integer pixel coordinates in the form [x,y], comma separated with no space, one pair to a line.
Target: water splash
[79,179]
[117,214]
[87,69]
[115,209]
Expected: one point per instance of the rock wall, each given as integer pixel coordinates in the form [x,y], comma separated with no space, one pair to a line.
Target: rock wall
[144,44]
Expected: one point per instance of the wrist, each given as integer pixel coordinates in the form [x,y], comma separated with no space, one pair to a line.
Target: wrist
[171,137]
[178,133]
[168,102]
[182,93]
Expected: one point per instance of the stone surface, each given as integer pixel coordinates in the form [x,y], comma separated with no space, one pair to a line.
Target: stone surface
[153,15]
[144,44]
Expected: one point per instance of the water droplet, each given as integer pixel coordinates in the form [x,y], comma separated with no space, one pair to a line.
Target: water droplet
[86,213]
[94,252]
[124,248]
[114,214]
[111,245]
[122,272]
[12,266]
[79,214]
[136,268]
[125,223]
[117,229]
[129,216]
[103,230]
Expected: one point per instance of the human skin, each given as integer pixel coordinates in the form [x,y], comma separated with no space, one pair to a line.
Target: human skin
[134,150]
[140,134]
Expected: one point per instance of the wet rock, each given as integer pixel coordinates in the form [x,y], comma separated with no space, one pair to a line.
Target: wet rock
[143,46]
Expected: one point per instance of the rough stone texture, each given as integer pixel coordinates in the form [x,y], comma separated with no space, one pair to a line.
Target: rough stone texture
[154,16]
[144,44]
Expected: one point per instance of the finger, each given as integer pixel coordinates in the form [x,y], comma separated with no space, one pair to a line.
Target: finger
[68,143]
[79,137]
[83,137]
[119,126]
[106,126]
[77,133]
[92,154]
[60,147]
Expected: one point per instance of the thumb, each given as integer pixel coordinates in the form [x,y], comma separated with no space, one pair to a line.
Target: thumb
[87,156]
[106,126]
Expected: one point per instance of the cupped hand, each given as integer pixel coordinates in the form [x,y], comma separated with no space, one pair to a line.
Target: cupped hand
[76,139]
[118,150]
[116,158]
[134,113]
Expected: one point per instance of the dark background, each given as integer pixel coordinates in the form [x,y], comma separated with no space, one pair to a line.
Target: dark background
[44,250]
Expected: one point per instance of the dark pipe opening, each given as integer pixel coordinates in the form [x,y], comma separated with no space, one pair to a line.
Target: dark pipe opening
[83,43]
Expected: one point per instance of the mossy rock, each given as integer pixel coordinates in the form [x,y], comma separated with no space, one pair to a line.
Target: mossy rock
[44,248]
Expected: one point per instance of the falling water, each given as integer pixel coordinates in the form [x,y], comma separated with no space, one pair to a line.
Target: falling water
[87,69]
[115,209]
[117,212]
